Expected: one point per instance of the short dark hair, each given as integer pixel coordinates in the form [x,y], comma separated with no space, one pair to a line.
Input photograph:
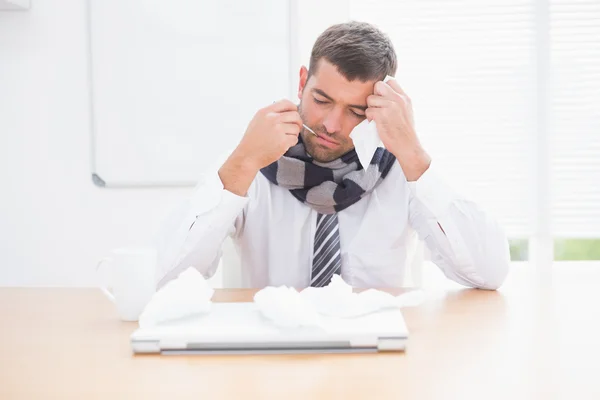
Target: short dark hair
[359,50]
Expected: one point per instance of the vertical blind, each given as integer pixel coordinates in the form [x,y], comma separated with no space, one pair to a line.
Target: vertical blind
[575,117]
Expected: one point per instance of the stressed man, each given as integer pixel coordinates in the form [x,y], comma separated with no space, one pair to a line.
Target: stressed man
[299,205]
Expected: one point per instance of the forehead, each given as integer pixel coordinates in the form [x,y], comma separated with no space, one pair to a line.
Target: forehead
[328,79]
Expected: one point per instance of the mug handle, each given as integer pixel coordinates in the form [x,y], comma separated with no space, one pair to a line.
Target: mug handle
[107,291]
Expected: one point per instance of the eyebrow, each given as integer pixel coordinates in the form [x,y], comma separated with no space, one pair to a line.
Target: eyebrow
[322,93]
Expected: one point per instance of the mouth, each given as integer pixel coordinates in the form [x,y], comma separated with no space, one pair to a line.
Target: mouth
[325,141]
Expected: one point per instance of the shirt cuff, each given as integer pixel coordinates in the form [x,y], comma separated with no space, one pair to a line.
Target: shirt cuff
[433,192]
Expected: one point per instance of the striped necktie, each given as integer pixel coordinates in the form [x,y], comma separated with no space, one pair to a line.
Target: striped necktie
[327,259]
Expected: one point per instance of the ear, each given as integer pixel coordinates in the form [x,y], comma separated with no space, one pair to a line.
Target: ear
[302,81]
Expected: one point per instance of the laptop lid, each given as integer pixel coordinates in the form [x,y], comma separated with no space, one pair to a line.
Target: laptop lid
[241,328]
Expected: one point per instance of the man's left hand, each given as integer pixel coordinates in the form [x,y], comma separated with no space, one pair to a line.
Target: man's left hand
[391,109]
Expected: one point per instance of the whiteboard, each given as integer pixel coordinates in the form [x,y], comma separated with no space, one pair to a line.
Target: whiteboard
[173,84]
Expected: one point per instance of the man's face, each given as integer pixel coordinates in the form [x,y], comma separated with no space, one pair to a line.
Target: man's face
[331,106]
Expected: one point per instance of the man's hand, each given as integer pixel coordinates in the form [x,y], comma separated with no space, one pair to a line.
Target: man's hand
[272,131]
[391,109]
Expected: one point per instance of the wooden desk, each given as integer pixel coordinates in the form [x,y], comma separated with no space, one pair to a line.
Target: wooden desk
[527,341]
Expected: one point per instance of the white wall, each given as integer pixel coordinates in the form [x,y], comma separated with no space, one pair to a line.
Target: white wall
[54,223]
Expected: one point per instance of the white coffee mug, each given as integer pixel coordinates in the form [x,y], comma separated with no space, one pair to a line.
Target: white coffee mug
[131,280]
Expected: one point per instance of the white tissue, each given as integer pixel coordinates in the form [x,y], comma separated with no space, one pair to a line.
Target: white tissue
[187,295]
[285,306]
[366,139]
[288,308]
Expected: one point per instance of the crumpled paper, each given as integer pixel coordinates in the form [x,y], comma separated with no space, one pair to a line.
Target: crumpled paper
[286,307]
[366,139]
[190,294]
[187,295]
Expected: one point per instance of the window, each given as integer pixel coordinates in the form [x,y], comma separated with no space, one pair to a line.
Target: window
[576,249]
[575,128]
[519,249]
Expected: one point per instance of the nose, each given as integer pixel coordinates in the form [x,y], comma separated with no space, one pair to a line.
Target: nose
[333,121]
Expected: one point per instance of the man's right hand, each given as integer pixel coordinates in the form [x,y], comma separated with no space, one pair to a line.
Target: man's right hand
[272,131]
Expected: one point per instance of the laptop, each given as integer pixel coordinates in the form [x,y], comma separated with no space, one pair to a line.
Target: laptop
[240,328]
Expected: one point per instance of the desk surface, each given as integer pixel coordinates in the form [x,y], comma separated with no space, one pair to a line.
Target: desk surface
[528,340]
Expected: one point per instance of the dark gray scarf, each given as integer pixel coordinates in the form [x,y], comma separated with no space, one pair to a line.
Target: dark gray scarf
[328,187]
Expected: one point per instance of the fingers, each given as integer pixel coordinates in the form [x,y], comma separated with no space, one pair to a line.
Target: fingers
[291,140]
[385,90]
[394,85]
[290,117]
[288,140]
[371,113]
[282,106]
[375,101]
[289,129]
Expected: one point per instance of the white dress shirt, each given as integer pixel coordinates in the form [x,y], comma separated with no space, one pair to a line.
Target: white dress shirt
[274,233]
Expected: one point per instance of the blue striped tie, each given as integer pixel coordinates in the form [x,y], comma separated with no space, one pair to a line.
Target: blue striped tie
[327,259]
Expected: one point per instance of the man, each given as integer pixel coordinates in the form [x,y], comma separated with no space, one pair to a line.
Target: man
[300,206]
